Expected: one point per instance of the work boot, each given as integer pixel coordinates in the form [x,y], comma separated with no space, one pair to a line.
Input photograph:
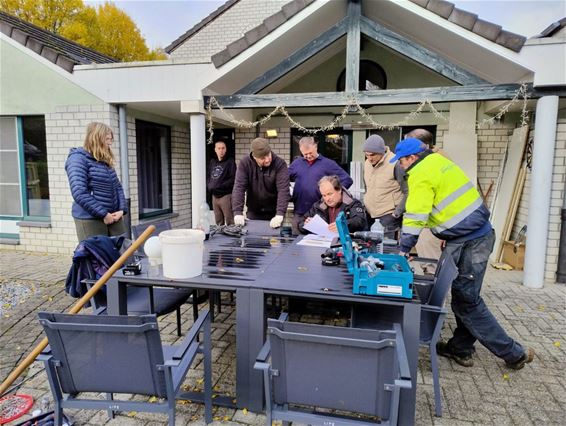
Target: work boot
[527,357]
[442,349]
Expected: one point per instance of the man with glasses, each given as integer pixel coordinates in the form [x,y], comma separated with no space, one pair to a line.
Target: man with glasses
[386,188]
[306,172]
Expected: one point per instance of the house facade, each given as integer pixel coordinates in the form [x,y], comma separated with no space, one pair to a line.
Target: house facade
[251,57]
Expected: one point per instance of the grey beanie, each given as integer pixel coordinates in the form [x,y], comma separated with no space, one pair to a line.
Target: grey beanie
[374,144]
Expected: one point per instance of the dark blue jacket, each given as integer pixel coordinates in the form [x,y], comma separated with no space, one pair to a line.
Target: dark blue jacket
[94,186]
[306,177]
[92,258]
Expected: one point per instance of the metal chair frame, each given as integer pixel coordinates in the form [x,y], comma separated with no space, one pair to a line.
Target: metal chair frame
[166,365]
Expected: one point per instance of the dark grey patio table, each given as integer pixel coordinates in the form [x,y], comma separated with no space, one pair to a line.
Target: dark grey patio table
[277,267]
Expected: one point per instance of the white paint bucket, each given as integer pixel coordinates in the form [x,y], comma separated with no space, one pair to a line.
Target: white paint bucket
[182,251]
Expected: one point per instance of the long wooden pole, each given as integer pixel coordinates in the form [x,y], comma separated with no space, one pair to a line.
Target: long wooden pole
[77,307]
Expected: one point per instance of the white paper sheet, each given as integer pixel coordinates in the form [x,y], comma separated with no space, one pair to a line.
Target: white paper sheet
[318,226]
[315,241]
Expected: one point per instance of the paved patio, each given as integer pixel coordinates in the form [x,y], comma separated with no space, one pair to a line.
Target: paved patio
[487,393]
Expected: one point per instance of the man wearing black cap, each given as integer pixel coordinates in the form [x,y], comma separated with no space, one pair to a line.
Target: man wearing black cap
[442,198]
[264,178]
[386,188]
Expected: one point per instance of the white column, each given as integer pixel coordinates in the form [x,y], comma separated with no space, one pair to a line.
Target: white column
[124,165]
[198,165]
[541,181]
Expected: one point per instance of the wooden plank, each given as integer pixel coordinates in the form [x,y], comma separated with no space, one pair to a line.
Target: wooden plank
[505,191]
[480,92]
[297,58]
[516,201]
[353,46]
[419,54]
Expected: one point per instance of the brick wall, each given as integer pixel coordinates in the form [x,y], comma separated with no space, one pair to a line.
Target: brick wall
[226,28]
[492,141]
[181,175]
[281,145]
[557,194]
[65,129]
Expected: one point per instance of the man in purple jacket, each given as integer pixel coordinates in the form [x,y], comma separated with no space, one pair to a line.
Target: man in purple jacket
[306,172]
[264,177]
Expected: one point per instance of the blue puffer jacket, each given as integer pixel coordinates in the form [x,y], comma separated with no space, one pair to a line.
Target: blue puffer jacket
[94,186]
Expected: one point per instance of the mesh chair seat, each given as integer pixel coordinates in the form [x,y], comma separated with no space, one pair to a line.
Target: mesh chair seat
[119,354]
[338,368]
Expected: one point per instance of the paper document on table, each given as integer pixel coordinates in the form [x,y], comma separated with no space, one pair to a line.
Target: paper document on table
[315,241]
[318,226]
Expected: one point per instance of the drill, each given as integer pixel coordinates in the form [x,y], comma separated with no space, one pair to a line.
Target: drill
[372,238]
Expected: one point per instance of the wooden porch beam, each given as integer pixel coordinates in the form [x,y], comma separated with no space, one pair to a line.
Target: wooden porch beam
[353,46]
[480,92]
[419,54]
[297,58]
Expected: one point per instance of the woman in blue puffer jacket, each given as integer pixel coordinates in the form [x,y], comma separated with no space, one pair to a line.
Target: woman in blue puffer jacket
[99,203]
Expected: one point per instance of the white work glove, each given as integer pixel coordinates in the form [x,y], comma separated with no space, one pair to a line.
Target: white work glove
[276,221]
[239,220]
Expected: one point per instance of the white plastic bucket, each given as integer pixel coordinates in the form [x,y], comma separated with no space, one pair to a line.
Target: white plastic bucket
[182,251]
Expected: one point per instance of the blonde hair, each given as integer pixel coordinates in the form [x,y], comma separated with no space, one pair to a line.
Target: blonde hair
[95,142]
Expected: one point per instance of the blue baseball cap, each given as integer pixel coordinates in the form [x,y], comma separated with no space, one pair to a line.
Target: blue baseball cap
[406,147]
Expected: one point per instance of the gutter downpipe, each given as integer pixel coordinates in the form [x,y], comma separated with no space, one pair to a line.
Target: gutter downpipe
[541,182]
[124,165]
[561,272]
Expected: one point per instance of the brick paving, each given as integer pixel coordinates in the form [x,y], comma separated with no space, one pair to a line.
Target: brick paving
[486,394]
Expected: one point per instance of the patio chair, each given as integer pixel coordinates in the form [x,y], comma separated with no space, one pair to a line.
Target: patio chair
[120,354]
[145,300]
[433,314]
[337,368]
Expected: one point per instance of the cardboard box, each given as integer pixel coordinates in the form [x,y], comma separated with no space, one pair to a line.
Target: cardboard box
[514,254]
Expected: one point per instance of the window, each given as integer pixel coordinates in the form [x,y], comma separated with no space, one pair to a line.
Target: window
[35,156]
[335,144]
[24,190]
[372,77]
[153,143]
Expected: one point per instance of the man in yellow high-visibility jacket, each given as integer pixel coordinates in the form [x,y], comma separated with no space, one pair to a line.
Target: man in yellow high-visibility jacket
[442,198]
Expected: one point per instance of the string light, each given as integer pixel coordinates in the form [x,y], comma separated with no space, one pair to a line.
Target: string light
[352,104]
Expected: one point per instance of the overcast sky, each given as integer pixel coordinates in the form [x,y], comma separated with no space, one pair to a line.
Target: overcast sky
[161,22]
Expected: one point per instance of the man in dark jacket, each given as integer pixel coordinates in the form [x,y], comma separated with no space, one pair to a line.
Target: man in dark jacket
[221,174]
[306,172]
[264,177]
[336,199]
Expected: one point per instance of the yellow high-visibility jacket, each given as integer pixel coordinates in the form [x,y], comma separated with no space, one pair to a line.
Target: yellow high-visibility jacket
[442,198]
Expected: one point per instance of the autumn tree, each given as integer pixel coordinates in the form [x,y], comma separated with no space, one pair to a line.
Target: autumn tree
[106,29]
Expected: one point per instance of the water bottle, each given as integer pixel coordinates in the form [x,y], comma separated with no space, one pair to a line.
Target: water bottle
[377,227]
[204,219]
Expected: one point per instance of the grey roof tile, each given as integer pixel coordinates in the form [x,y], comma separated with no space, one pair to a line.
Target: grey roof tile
[256,34]
[220,58]
[440,7]
[53,47]
[203,23]
[270,23]
[462,18]
[511,40]
[421,3]
[487,29]
[274,21]
[471,22]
